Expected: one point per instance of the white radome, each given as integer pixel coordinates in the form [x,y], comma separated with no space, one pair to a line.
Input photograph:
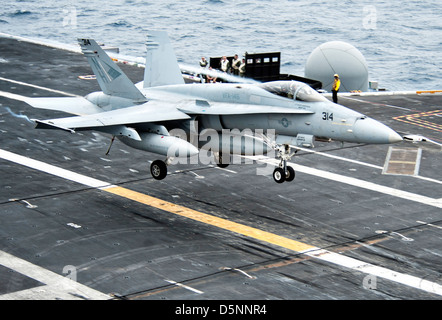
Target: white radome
[342,58]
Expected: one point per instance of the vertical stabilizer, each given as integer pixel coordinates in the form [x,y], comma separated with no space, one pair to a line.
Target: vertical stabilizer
[161,64]
[110,77]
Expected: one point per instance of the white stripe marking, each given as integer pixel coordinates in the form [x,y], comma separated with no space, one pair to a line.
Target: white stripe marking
[57,286]
[56,171]
[224,169]
[357,265]
[317,253]
[184,286]
[429,224]
[38,87]
[381,104]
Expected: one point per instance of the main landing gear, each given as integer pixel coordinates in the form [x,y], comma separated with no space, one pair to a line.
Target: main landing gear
[284,172]
[158,169]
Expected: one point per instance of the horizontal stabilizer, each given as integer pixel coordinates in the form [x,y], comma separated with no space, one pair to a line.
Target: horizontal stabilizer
[77,105]
[50,125]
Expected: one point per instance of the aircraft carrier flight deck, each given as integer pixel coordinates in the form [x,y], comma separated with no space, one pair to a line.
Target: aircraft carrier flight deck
[358,222]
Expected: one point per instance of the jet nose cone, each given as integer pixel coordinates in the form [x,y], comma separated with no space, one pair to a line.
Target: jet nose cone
[394,137]
[368,130]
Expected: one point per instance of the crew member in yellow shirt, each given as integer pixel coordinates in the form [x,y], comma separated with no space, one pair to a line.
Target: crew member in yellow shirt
[335,88]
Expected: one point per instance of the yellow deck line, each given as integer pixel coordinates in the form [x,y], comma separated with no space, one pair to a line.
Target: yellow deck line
[210,220]
[428,91]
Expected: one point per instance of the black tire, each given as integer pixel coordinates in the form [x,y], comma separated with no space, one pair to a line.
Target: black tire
[158,169]
[290,174]
[219,161]
[279,175]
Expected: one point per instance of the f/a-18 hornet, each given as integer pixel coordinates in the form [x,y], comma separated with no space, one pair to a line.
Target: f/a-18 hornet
[164,115]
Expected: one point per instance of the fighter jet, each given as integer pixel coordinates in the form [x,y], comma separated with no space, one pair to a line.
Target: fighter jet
[165,116]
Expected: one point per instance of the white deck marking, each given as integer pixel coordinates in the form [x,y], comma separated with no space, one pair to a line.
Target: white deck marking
[318,253]
[357,265]
[56,286]
[38,87]
[56,171]
[184,286]
[429,224]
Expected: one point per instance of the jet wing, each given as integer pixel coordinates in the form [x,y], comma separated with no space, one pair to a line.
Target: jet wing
[146,112]
[222,108]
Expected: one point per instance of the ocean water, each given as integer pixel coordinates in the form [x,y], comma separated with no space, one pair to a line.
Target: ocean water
[401,41]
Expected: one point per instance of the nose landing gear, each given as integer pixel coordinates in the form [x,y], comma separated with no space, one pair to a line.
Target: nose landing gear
[284,172]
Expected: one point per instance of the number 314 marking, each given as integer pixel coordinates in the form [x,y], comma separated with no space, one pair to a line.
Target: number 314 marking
[327,116]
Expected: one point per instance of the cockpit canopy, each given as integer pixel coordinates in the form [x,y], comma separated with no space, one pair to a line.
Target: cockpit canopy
[293,90]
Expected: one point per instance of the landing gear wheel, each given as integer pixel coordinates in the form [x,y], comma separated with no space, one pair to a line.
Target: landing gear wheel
[158,169]
[284,172]
[221,160]
[290,174]
[279,175]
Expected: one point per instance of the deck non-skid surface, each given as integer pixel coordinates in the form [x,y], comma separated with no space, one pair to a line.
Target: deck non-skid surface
[77,224]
